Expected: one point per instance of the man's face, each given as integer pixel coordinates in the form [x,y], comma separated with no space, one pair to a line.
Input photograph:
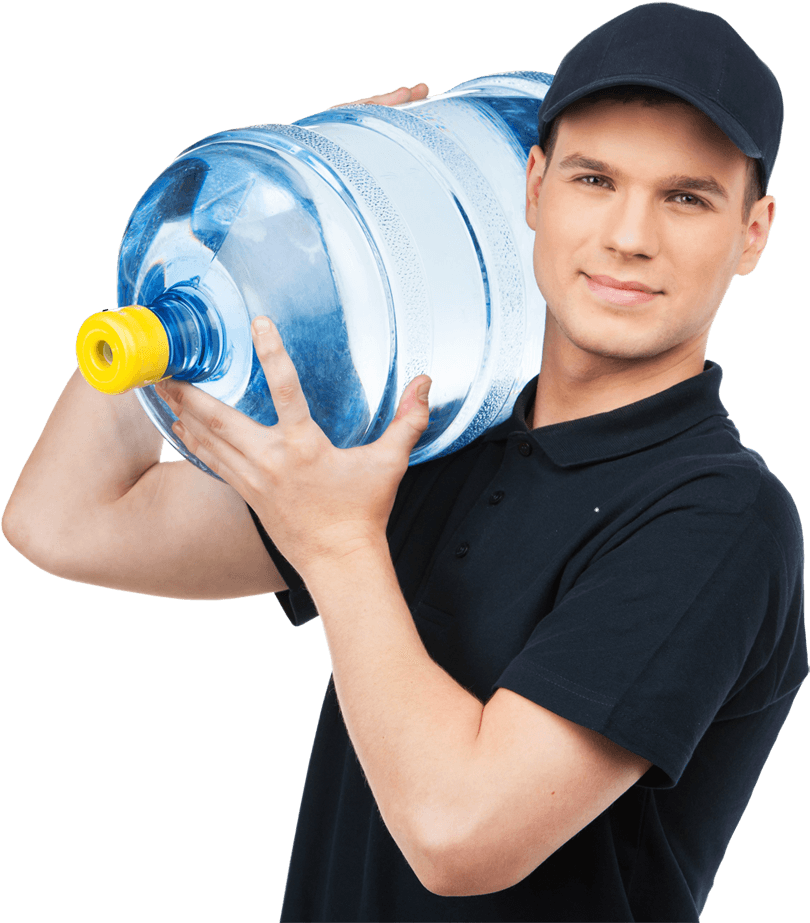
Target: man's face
[644,195]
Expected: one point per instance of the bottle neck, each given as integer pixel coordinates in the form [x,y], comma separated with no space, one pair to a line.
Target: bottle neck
[195,338]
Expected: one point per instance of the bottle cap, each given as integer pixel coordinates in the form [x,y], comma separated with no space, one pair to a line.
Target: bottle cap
[119,350]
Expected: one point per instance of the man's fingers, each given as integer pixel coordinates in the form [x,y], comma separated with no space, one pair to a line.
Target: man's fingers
[412,416]
[209,429]
[394,98]
[282,378]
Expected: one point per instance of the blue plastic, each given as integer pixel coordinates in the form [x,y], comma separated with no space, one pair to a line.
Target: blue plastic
[384,243]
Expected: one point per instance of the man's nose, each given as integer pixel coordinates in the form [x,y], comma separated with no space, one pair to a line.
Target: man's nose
[631,227]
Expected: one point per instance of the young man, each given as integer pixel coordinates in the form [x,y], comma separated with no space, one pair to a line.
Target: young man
[561,655]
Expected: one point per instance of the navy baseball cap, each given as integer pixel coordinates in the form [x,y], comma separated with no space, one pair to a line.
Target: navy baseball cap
[689,53]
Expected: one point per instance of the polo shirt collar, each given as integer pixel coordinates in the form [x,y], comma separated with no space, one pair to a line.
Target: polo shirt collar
[622,431]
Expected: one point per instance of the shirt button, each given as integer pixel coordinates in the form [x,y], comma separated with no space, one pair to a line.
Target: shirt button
[525,449]
[462,549]
[496,497]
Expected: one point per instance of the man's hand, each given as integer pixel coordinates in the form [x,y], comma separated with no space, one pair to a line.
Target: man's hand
[394,98]
[315,500]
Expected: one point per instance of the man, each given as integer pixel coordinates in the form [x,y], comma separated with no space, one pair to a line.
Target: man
[561,655]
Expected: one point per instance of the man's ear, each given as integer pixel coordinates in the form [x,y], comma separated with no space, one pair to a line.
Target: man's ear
[760,222]
[534,178]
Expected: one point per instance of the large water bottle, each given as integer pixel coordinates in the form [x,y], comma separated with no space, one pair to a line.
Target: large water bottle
[383,242]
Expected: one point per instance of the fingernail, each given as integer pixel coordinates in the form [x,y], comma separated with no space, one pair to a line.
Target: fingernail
[261,325]
[422,391]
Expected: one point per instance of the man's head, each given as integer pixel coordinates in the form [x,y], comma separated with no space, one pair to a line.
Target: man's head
[643,184]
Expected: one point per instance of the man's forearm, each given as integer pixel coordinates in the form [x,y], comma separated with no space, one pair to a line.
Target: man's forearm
[93,448]
[413,727]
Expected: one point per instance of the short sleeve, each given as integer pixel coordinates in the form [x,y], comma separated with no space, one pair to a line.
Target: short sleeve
[691,614]
[296,602]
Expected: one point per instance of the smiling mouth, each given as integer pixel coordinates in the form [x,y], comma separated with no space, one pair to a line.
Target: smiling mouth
[618,292]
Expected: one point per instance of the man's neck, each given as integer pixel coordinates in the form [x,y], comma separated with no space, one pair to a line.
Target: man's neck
[573,384]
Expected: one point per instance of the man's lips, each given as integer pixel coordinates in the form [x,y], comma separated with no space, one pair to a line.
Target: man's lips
[617,292]
[610,282]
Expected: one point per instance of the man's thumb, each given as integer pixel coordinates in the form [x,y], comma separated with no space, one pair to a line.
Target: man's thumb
[412,415]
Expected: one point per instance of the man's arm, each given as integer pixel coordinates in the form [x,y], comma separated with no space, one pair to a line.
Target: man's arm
[476,796]
[95,504]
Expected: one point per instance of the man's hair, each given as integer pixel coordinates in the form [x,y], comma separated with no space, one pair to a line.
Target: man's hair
[652,96]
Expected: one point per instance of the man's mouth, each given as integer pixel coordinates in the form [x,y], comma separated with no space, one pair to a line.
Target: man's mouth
[617,291]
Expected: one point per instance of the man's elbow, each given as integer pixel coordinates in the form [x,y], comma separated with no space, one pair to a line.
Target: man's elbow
[19,533]
[451,862]
[453,875]
[449,878]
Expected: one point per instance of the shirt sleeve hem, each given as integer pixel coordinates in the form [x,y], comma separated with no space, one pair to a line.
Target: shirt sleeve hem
[636,732]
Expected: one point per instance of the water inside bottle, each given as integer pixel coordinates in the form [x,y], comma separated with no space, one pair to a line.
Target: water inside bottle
[377,239]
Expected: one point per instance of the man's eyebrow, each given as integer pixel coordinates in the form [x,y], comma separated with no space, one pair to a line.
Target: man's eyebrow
[585,163]
[707,184]
[697,184]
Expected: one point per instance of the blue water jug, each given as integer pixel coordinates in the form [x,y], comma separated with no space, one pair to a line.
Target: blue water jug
[384,243]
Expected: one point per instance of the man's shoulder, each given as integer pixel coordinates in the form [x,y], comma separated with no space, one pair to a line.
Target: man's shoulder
[717,470]
[776,509]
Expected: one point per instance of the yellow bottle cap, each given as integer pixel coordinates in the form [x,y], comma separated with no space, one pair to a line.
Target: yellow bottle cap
[119,350]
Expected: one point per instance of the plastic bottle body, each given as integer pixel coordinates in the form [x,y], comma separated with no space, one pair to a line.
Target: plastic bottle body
[383,242]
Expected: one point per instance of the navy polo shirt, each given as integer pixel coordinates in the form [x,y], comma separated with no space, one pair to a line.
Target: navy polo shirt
[638,572]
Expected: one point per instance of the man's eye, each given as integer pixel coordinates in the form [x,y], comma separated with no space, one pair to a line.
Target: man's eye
[684,198]
[592,180]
